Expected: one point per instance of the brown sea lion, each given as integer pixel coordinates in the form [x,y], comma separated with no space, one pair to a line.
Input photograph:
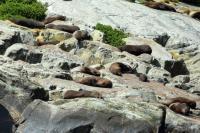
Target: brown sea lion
[181,108]
[159,6]
[66,28]
[30,23]
[91,71]
[136,49]
[53,18]
[70,94]
[119,68]
[142,77]
[190,103]
[96,82]
[81,35]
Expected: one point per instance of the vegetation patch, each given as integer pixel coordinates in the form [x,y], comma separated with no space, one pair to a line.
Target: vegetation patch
[22,9]
[112,36]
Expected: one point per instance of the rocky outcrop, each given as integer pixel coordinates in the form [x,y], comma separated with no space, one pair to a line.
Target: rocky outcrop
[90,116]
[38,67]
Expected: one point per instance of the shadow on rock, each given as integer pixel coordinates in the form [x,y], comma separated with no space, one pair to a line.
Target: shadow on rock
[6,121]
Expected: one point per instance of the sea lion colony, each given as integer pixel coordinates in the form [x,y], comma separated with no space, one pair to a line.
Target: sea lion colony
[179,105]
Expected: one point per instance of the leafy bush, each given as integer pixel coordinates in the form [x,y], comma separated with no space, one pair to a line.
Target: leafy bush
[112,36]
[22,9]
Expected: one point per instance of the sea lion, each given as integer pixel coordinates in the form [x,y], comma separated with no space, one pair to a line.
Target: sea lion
[159,6]
[142,77]
[96,82]
[81,35]
[66,28]
[119,68]
[30,23]
[40,41]
[53,18]
[190,103]
[195,14]
[181,108]
[91,71]
[70,94]
[136,49]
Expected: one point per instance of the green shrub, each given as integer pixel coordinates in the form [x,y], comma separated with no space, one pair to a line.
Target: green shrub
[22,8]
[112,36]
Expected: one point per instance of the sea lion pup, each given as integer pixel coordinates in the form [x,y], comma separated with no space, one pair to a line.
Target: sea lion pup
[91,71]
[96,82]
[136,49]
[142,77]
[190,103]
[30,23]
[81,35]
[53,18]
[159,6]
[180,108]
[66,28]
[119,68]
[70,94]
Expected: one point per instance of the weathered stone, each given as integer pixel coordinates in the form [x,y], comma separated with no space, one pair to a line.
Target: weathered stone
[52,36]
[91,115]
[22,52]
[97,35]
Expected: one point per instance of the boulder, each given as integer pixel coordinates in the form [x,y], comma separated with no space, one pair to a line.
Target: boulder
[91,115]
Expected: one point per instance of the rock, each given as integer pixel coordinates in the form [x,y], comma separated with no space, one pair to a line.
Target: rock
[178,124]
[52,36]
[53,57]
[160,75]
[96,52]
[89,115]
[12,35]
[21,52]
[160,23]
[97,35]
[176,67]
[143,68]
[68,45]
[7,122]
[149,59]
[181,79]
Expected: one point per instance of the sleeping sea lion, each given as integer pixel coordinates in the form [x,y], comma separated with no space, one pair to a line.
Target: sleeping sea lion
[30,23]
[96,82]
[190,103]
[91,71]
[181,108]
[159,6]
[136,49]
[70,94]
[119,68]
[66,28]
[53,18]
